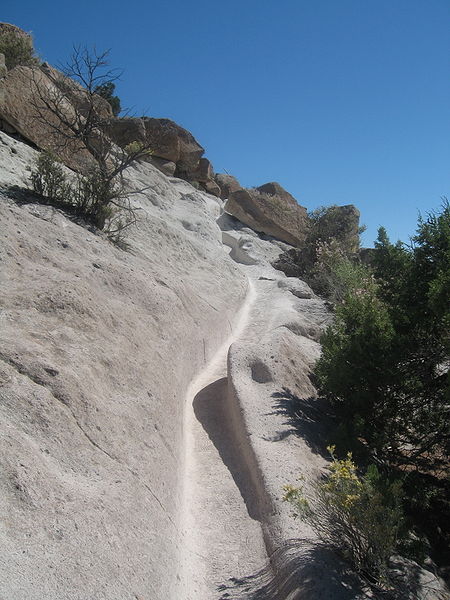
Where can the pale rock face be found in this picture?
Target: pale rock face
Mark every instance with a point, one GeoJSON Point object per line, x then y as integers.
{"type": "Point", "coordinates": [98, 347]}
{"type": "Point", "coordinates": [147, 403]}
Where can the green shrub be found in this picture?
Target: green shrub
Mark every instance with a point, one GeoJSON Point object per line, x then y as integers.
{"type": "Point", "coordinates": [385, 369]}
{"type": "Point", "coordinates": [358, 516]}
{"type": "Point", "coordinates": [333, 273]}
{"type": "Point", "coordinates": [106, 91]}
{"type": "Point", "coordinates": [327, 257]}
{"type": "Point", "coordinates": [93, 196]}
{"type": "Point", "coordinates": [49, 179]}
{"type": "Point", "coordinates": [358, 374]}
{"type": "Point", "coordinates": [96, 197]}
{"type": "Point", "coordinates": [18, 50]}
{"type": "Point", "coordinates": [336, 223]}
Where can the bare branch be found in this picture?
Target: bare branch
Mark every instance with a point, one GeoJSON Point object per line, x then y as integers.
{"type": "Point", "coordinates": [76, 119]}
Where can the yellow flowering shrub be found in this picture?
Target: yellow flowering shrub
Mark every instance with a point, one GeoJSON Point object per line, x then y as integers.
{"type": "Point", "coordinates": [358, 516]}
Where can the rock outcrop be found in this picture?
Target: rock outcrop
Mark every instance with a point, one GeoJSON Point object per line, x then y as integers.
{"type": "Point", "coordinates": [270, 209]}
{"type": "Point", "coordinates": [168, 140]}
{"type": "Point", "coordinates": [204, 175]}
{"type": "Point", "coordinates": [175, 151]}
{"type": "Point", "coordinates": [23, 95]}
{"type": "Point", "coordinates": [204, 171]}
{"type": "Point", "coordinates": [227, 184]}
{"type": "Point", "coordinates": [10, 28]}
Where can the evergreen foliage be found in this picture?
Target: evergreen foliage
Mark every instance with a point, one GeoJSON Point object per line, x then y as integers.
{"type": "Point", "coordinates": [106, 91]}
{"type": "Point", "coordinates": [18, 50]}
{"type": "Point", "coordinates": [384, 358]}
{"type": "Point", "coordinates": [385, 368]}
{"type": "Point", "coordinates": [326, 258]}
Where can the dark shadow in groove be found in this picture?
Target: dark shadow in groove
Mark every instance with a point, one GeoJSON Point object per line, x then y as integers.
{"type": "Point", "coordinates": [212, 411]}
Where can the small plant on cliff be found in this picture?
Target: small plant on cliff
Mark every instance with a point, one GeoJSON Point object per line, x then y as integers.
{"type": "Point", "coordinates": [101, 202]}
{"type": "Point", "coordinates": [327, 258]}
{"type": "Point", "coordinates": [334, 273]}
{"type": "Point", "coordinates": [49, 180]}
{"type": "Point", "coordinates": [106, 91]}
{"type": "Point", "coordinates": [358, 516]}
{"type": "Point", "coordinates": [18, 49]}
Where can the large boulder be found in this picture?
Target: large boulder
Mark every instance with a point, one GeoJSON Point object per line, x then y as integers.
{"type": "Point", "coordinates": [272, 210]}
{"type": "Point", "coordinates": [190, 150]}
{"type": "Point", "coordinates": [204, 171]}
{"type": "Point", "coordinates": [227, 184]}
{"type": "Point", "coordinates": [167, 140]}
{"type": "Point", "coordinates": [211, 187]}
{"type": "Point", "coordinates": [126, 130]}
{"type": "Point", "coordinates": [24, 93]}
{"type": "Point", "coordinates": [165, 166]}
{"type": "Point", "coordinates": [204, 175]}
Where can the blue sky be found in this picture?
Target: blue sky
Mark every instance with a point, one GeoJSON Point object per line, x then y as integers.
{"type": "Point", "coordinates": [341, 101]}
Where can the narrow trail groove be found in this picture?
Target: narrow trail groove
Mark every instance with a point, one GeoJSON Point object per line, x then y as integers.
{"type": "Point", "coordinates": [221, 531]}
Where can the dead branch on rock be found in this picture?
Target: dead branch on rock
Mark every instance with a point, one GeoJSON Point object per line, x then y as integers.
{"type": "Point", "coordinates": [76, 119]}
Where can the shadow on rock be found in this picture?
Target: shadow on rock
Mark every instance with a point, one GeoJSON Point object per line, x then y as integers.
{"type": "Point", "coordinates": [300, 571]}
{"type": "Point", "coordinates": [308, 418]}
{"type": "Point", "coordinates": [297, 571]}
{"type": "Point", "coordinates": [23, 196]}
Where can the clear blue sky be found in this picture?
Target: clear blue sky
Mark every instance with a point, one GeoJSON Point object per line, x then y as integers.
{"type": "Point", "coordinates": [341, 101]}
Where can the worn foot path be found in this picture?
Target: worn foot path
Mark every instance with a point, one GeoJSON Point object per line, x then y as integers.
{"type": "Point", "coordinates": [222, 534]}
{"type": "Point", "coordinates": [222, 526]}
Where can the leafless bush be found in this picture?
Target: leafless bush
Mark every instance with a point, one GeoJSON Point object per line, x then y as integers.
{"type": "Point", "coordinates": [76, 117]}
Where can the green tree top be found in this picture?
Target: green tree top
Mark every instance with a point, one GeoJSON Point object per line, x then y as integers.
{"type": "Point", "coordinates": [106, 91]}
